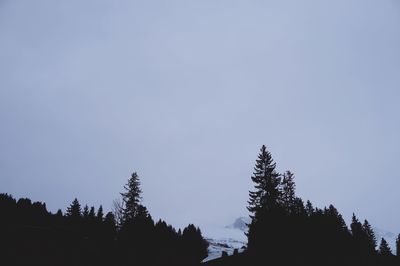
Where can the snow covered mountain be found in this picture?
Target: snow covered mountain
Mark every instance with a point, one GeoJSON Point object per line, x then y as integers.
{"type": "Point", "coordinates": [240, 224]}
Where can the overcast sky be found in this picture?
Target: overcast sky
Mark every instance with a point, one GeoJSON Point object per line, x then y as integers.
{"type": "Point", "coordinates": [186, 92]}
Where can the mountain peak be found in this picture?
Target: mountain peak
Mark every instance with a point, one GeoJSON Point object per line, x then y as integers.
{"type": "Point", "coordinates": [240, 223]}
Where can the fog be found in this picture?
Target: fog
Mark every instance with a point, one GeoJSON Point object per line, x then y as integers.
{"type": "Point", "coordinates": [186, 92]}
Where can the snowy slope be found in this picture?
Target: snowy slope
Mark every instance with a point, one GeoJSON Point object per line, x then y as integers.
{"type": "Point", "coordinates": [226, 238]}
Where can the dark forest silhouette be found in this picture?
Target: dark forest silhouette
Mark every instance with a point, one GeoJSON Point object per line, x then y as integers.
{"type": "Point", "coordinates": [30, 235]}
{"type": "Point", "coordinates": [284, 230]}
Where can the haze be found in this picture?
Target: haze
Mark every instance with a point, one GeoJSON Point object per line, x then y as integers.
{"type": "Point", "coordinates": [186, 92]}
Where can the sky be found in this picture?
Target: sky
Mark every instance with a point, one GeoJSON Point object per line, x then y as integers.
{"type": "Point", "coordinates": [186, 92]}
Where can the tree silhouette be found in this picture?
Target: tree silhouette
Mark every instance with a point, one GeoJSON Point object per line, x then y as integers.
{"type": "Point", "coordinates": [309, 208]}
{"type": "Point", "coordinates": [85, 212]}
{"type": "Point", "coordinates": [265, 207]}
{"type": "Point", "coordinates": [92, 214]}
{"type": "Point", "coordinates": [74, 210]}
{"type": "Point", "coordinates": [100, 213]}
{"type": "Point", "coordinates": [288, 191]}
{"type": "Point", "coordinates": [370, 237]}
{"type": "Point", "coordinates": [384, 248]}
{"type": "Point", "coordinates": [195, 247]}
{"type": "Point", "coordinates": [131, 198]}
{"type": "Point", "coordinates": [266, 180]}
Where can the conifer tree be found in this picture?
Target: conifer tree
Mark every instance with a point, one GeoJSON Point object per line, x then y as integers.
{"type": "Point", "coordinates": [92, 213]}
{"type": "Point", "coordinates": [267, 180]}
{"type": "Point", "coordinates": [370, 237]}
{"type": "Point", "coordinates": [398, 246]}
{"type": "Point", "coordinates": [195, 246]}
{"type": "Point", "coordinates": [356, 228]}
{"type": "Point", "coordinates": [384, 248]}
{"type": "Point", "coordinates": [288, 191]}
{"type": "Point", "coordinates": [74, 210]}
{"type": "Point", "coordinates": [109, 220]}
{"type": "Point", "coordinates": [131, 198]}
{"type": "Point", "coordinates": [309, 208]}
{"type": "Point", "coordinates": [297, 207]}
{"type": "Point", "coordinates": [85, 212]}
{"type": "Point", "coordinates": [100, 213]}
{"type": "Point", "coordinates": [110, 225]}
{"type": "Point", "coordinates": [59, 213]}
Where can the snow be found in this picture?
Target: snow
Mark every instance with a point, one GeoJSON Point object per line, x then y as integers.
{"type": "Point", "coordinates": [226, 238]}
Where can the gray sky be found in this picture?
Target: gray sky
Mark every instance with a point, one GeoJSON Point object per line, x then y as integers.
{"type": "Point", "coordinates": [186, 92]}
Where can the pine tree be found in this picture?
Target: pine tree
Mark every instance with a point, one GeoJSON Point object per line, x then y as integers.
{"type": "Point", "coordinates": [92, 213]}
{"type": "Point", "coordinates": [298, 207]}
{"type": "Point", "coordinates": [357, 234]}
{"type": "Point", "coordinates": [100, 213]}
{"type": "Point", "coordinates": [356, 227]}
{"type": "Point", "coordinates": [131, 198]}
{"type": "Point", "coordinates": [85, 212]}
{"type": "Point", "coordinates": [194, 245]}
{"type": "Point", "coordinates": [370, 237]}
{"type": "Point", "coordinates": [309, 208]}
{"type": "Point", "coordinates": [267, 180]}
{"type": "Point", "coordinates": [109, 220]}
{"type": "Point", "coordinates": [110, 226]}
{"type": "Point", "coordinates": [398, 246]}
{"type": "Point", "coordinates": [288, 191]}
{"type": "Point", "coordinates": [74, 210]}
{"type": "Point", "coordinates": [384, 248]}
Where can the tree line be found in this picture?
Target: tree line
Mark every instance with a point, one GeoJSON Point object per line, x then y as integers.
{"type": "Point", "coordinates": [286, 230]}
{"type": "Point", "coordinates": [31, 235]}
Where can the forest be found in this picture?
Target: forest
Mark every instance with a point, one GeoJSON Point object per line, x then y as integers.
{"type": "Point", "coordinates": [284, 230]}
{"type": "Point", "coordinates": [31, 235]}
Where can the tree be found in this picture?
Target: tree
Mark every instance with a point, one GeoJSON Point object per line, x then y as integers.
{"type": "Point", "coordinates": [74, 210]}
{"type": "Point", "coordinates": [131, 198]}
{"type": "Point", "coordinates": [370, 237]}
{"type": "Point", "coordinates": [398, 246]}
{"type": "Point", "coordinates": [109, 220]}
{"type": "Point", "coordinates": [309, 208]}
{"type": "Point", "coordinates": [100, 213]}
{"type": "Point", "coordinates": [267, 180]}
{"type": "Point", "coordinates": [356, 227]}
{"type": "Point", "coordinates": [85, 212]}
{"type": "Point", "coordinates": [288, 191]}
{"type": "Point", "coordinates": [384, 248]}
{"type": "Point", "coordinates": [194, 245]}
{"type": "Point", "coordinates": [265, 207]}
{"type": "Point", "coordinates": [92, 214]}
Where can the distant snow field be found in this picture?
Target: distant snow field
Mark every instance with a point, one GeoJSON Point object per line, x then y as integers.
{"type": "Point", "coordinates": [226, 238]}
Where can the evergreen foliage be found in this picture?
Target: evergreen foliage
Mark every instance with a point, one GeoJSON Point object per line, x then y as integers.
{"type": "Point", "coordinates": [100, 213]}
{"type": "Point", "coordinates": [74, 210]}
{"type": "Point", "coordinates": [30, 235]}
{"type": "Point", "coordinates": [285, 231]}
{"type": "Point", "coordinates": [266, 180]}
{"type": "Point", "coordinates": [288, 192]}
{"type": "Point", "coordinates": [131, 198]}
{"type": "Point", "coordinates": [370, 239]}
{"type": "Point", "coordinates": [384, 248]}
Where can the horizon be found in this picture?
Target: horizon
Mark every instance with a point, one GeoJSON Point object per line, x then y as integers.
{"type": "Point", "coordinates": [185, 94]}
